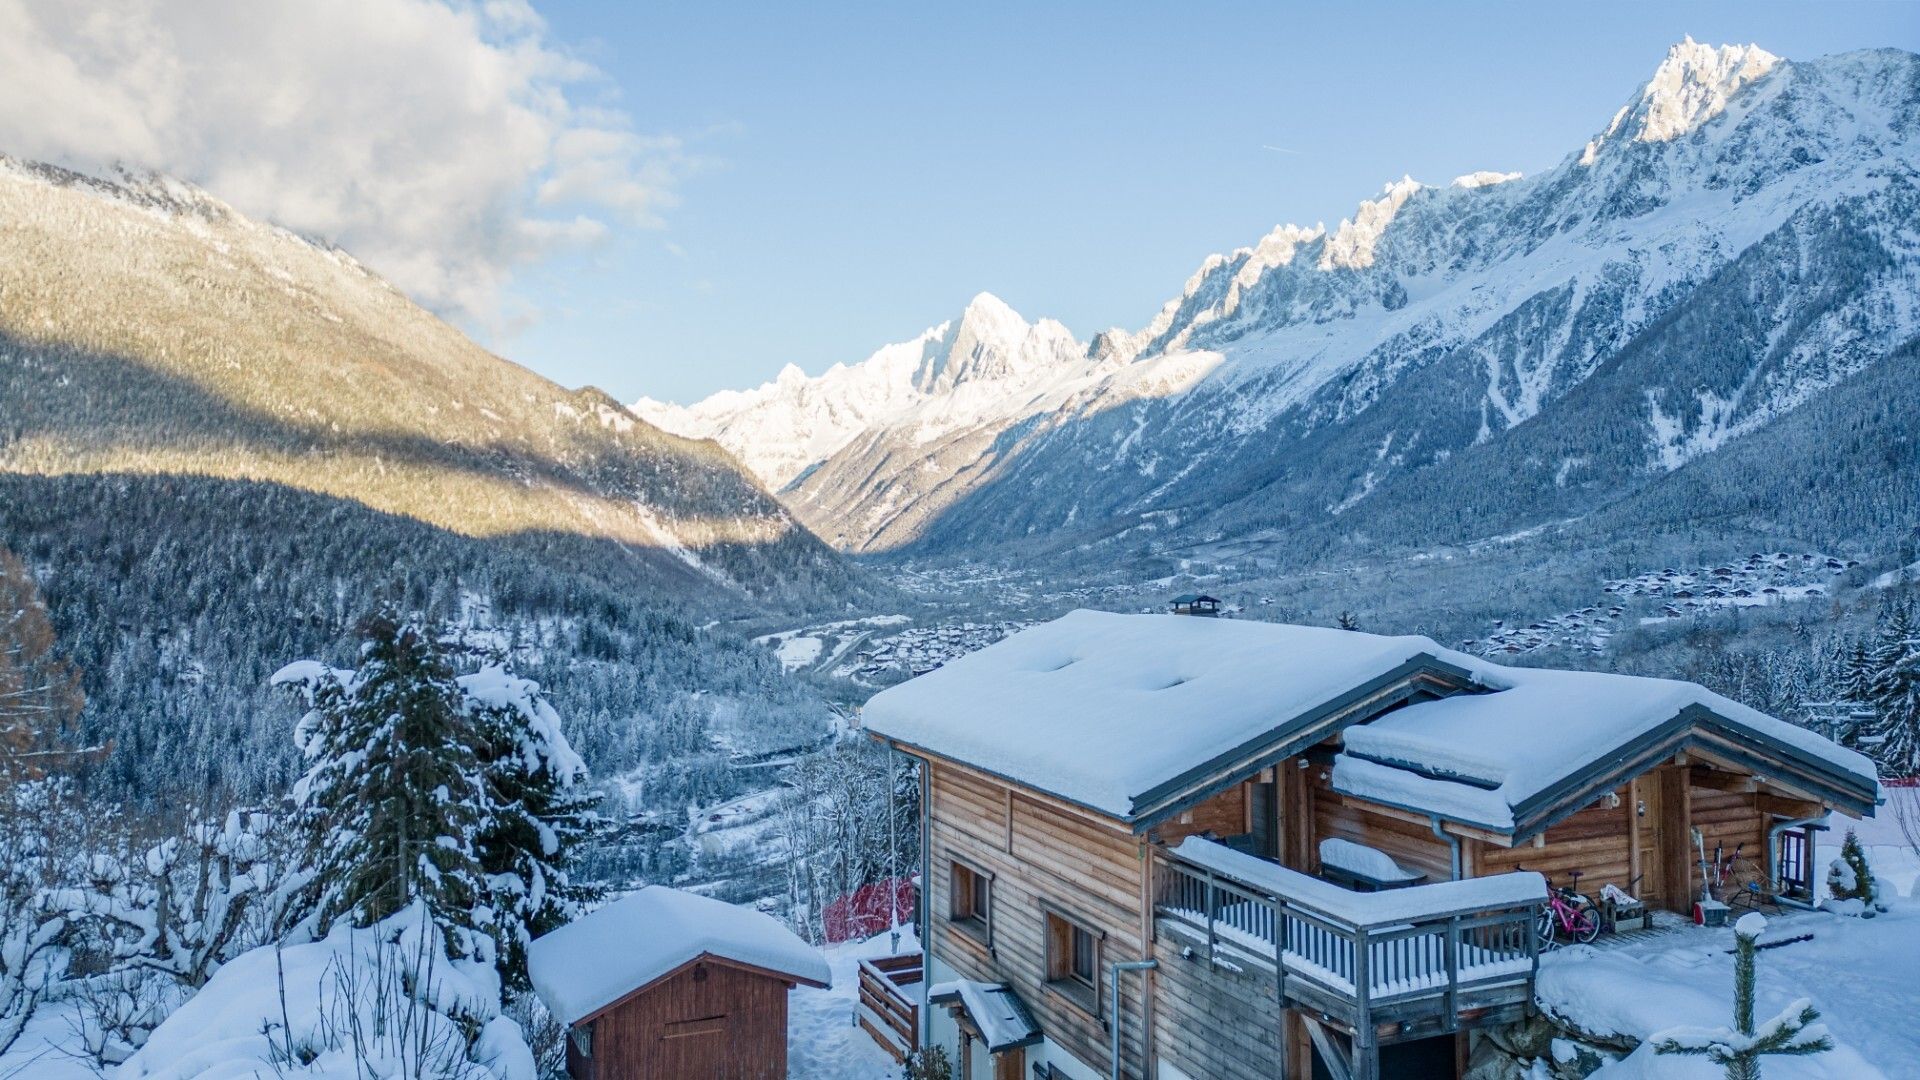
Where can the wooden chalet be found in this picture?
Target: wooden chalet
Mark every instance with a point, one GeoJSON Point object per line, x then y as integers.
{"type": "Point", "coordinates": [1195, 604]}
{"type": "Point", "coordinates": [665, 985]}
{"type": "Point", "coordinates": [1200, 849]}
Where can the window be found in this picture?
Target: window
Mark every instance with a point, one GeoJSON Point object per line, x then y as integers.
{"type": "Point", "coordinates": [970, 901]}
{"type": "Point", "coordinates": [1073, 961]}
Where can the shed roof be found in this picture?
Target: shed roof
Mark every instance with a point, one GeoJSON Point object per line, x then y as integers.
{"type": "Point", "coordinates": [1110, 710]}
{"type": "Point", "coordinates": [626, 946]}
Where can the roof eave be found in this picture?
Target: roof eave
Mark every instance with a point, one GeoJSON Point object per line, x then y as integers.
{"type": "Point", "coordinates": [1288, 738]}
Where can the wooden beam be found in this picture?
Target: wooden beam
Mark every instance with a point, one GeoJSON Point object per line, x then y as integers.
{"type": "Point", "coordinates": [1769, 803]}
{"type": "Point", "coordinates": [1676, 840]}
{"type": "Point", "coordinates": [1339, 1065]}
{"type": "Point", "coordinates": [1635, 874]}
{"type": "Point", "coordinates": [1423, 820]}
{"type": "Point", "coordinates": [1701, 776]}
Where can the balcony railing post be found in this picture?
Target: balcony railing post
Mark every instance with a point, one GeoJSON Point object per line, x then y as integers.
{"type": "Point", "coordinates": [1362, 990]}
{"type": "Point", "coordinates": [1213, 905]}
{"type": "Point", "coordinates": [1453, 968]}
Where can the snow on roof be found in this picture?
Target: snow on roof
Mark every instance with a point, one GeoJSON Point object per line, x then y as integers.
{"type": "Point", "coordinates": [607, 954]}
{"type": "Point", "coordinates": [997, 1011]}
{"type": "Point", "coordinates": [1360, 909]}
{"type": "Point", "coordinates": [1100, 708]}
{"type": "Point", "coordinates": [1480, 756]}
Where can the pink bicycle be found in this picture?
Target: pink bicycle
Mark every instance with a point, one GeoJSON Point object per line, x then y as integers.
{"type": "Point", "coordinates": [1567, 912]}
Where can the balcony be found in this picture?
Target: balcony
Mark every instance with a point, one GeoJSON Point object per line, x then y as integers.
{"type": "Point", "coordinates": [1377, 967]}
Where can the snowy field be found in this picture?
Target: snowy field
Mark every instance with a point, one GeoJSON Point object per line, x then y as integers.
{"type": "Point", "coordinates": [1859, 973]}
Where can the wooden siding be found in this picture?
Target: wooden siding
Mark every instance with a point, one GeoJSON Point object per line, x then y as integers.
{"type": "Point", "coordinates": [1411, 844]}
{"type": "Point", "coordinates": [710, 1019]}
{"type": "Point", "coordinates": [1594, 841]}
{"type": "Point", "coordinates": [1223, 815]}
{"type": "Point", "coordinates": [1219, 1023]}
{"type": "Point", "coordinates": [1042, 855]}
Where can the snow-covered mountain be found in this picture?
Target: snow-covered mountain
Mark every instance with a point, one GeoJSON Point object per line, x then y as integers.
{"type": "Point", "coordinates": [962, 373]}
{"type": "Point", "coordinates": [1736, 242]}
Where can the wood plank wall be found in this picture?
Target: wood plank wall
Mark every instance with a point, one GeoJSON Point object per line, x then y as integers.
{"type": "Point", "coordinates": [1223, 815]}
{"type": "Point", "coordinates": [1411, 844]}
{"type": "Point", "coordinates": [1594, 841]}
{"type": "Point", "coordinates": [711, 1019]}
{"type": "Point", "coordinates": [1041, 854]}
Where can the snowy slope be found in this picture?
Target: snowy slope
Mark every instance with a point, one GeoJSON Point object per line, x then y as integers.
{"type": "Point", "coordinates": [1736, 240]}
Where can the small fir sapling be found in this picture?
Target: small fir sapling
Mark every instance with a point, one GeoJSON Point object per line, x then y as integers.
{"type": "Point", "coordinates": [1796, 1032]}
{"type": "Point", "coordinates": [1850, 877]}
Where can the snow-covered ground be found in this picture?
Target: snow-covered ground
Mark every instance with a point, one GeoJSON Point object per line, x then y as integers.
{"type": "Point", "coordinates": [823, 1042]}
{"type": "Point", "coordinates": [1859, 973]}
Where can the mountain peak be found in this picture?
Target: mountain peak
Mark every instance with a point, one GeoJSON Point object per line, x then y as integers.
{"type": "Point", "coordinates": [1351, 245]}
{"type": "Point", "coordinates": [1693, 83]}
{"type": "Point", "coordinates": [1690, 87]}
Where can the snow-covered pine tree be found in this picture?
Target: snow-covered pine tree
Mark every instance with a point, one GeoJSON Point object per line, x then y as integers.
{"type": "Point", "coordinates": [392, 803]}
{"type": "Point", "coordinates": [1795, 1032]}
{"type": "Point", "coordinates": [1849, 877]}
{"type": "Point", "coordinates": [539, 813]}
{"type": "Point", "coordinates": [1891, 685]}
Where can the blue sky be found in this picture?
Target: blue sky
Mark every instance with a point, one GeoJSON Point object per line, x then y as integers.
{"type": "Point", "coordinates": [859, 172]}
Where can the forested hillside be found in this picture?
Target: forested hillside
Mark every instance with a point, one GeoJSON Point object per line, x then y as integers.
{"type": "Point", "coordinates": [222, 443]}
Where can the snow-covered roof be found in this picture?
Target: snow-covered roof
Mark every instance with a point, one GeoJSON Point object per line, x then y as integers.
{"type": "Point", "coordinates": [612, 951]}
{"type": "Point", "coordinates": [1101, 709]}
{"type": "Point", "coordinates": [1485, 759]}
{"type": "Point", "coordinates": [997, 1011]}
{"type": "Point", "coordinates": [1111, 711]}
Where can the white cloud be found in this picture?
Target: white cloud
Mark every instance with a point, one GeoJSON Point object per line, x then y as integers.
{"type": "Point", "coordinates": [443, 143]}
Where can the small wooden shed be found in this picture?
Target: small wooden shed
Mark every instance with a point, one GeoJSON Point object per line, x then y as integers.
{"type": "Point", "coordinates": [1196, 604]}
{"type": "Point", "coordinates": [665, 984]}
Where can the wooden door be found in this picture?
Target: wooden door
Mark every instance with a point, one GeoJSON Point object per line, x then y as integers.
{"type": "Point", "coordinates": [1652, 887]}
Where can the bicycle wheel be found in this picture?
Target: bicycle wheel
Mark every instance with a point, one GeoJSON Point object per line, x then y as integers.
{"type": "Point", "coordinates": [1543, 927]}
{"type": "Point", "coordinates": [1586, 923]}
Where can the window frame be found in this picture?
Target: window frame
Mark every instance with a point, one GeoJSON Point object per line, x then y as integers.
{"type": "Point", "coordinates": [971, 922]}
{"type": "Point", "coordinates": [1061, 978]}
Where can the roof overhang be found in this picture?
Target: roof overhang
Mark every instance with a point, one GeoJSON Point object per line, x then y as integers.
{"type": "Point", "coordinates": [1420, 675]}
{"type": "Point", "coordinates": [1025, 1029]}
{"type": "Point", "coordinates": [714, 959]}
{"type": "Point", "coordinates": [1693, 728]}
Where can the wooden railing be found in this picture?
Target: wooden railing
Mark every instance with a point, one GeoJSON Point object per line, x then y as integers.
{"type": "Point", "coordinates": [1329, 959]}
{"type": "Point", "coordinates": [889, 1006]}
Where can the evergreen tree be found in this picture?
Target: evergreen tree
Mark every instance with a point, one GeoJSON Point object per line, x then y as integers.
{"type": "Point", "coordinates": [1796, 1032]}
{"type": "Point", "coordinates": [40, 694]}
{"type": "Point", "coordinates": [1891, 686]}
{"type": "Point", "coordinates": [1849, 877]}
{"type": "Point", "coordinates": [539, 813]}
{"type": "Point", "coordinates": [392, 804]}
